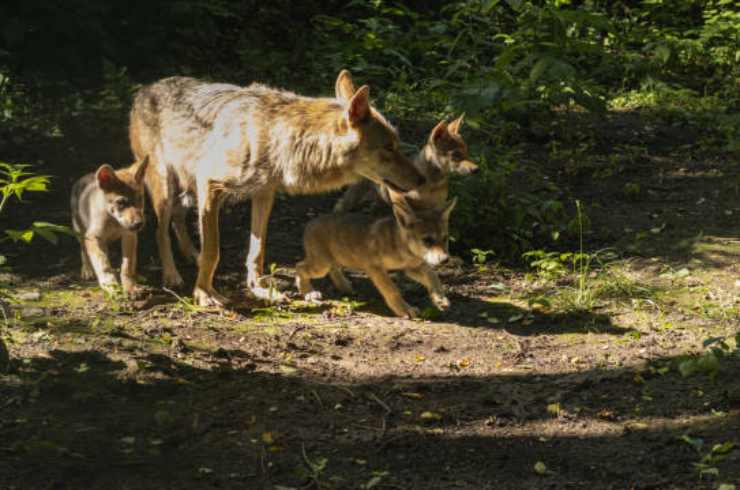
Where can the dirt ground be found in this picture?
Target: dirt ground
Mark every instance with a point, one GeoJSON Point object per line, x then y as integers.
{"type": "Point", "coordinates": [498, 393]}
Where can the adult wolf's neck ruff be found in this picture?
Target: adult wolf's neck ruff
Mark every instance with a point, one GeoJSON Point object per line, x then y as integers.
{"type": "Point", "coordinates": [309, 143]}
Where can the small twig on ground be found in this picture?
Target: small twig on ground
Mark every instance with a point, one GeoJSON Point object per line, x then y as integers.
{"type": "Point", "coordinates": [380, 402]}
{"type": "Point", "coordinates": [296, 330]}
{"type": "Point", "coordinates": [346, 390]}
{"type": "Point", "coordinates": [318, 398]}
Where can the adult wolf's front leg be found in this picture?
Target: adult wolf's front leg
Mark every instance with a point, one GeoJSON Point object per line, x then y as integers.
{"type": "Point", "coordinates": [261, 209]}
{"type": "Point", "coordinates": [209, 203]}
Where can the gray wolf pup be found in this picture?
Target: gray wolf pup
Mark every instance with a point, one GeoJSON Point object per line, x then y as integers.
{"type": "Point", "coordinates": [108, 205]}
{"type": "Point", "coordinates": [444, 153]}
{"type": "Point", "coordinates": [223, 141]}
{"type": "Point", "coordinates": [411, 240]}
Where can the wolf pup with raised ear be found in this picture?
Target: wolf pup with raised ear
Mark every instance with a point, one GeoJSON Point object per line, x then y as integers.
{"type": "Point", "coordinates": [444, 153]}
{"type": "Point", "coordinates": [108, 205]}
{"type": "Point", "coordinates": [411, 240]}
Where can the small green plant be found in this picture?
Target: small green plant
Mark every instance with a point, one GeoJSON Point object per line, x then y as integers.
{"type": "Point", "coordinates": [480, 258]}
{"type": "Point", "coordinates": [15, 181]}
{"type": "Point", "coordinates": [313, 471]}
{"type": "Point", "coordinates": [708, 363]}
{"type": "Point", "coordinates": [186, 305]}
{"type": "Point", "coordinates": [708, 460]}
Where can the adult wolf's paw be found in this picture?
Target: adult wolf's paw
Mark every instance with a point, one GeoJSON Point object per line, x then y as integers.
{"type": "Point", "coordinates": [209, 299]}
{"type": "Point", "coordinates": [86, 273]}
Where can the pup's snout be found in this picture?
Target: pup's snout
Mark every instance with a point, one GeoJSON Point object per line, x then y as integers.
{"type": "Point", "coordinates": [443, 258]}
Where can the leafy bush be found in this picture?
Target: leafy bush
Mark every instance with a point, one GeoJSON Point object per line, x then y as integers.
{"type": "Point", "coordinates": [15, 181]}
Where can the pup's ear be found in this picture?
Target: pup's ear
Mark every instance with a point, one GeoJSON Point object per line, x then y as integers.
{"type": "Point", "coordinates": [439, 133]}
{"type": "Point", "coordinates": [457, 124]}
{"type": "Point", "coordinates": [106, 177]}
{"type": "Point", "coordinates": [344, 87]}
{"type": "Point", "coordinates": [401, 209]}
{"type": "Point", "coordinates": [448, 209]}
{"type": "Point", "coordinates": [359, 106]}
{"type": "Point", "coordinates": [141, 170]}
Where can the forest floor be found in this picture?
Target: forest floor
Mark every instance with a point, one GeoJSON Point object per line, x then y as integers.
{"type": "Point", "coordinates": [521, 384]}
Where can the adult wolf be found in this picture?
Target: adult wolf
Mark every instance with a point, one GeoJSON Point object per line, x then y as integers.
{"type": "Point", "coordinates": [220, 140]}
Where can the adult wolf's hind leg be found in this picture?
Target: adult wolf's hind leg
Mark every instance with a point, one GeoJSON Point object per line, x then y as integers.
{"type": "Point", "coordinates": [209, 203]}
{"type": "Point", "coordinates": [160, 193]}
{"type": "Point", "coordinates": [184, 241]}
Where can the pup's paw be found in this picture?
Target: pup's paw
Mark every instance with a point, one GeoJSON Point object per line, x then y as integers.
{"type": "Point", "coordinates": [441, 302]}
{"type": "Point", "coordinates": [269, 295]}
{"type": "Point", "coordinates": [411, 312]}
{"type": "Point", "coordinates": [313, 297]}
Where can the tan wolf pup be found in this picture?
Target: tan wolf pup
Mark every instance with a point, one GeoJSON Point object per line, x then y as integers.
{"type": "Point", "coordinates": [108, 205]}
{"type": "Point", "coordinates": [223, 141]}
{"type": "Point", "coordinates": [410, 240]}
{"type": "Point", "coordinates": [444, 153]}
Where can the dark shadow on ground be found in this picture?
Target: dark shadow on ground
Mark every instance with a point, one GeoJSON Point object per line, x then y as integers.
{"type": "Point", "coordinates": [83, 419]}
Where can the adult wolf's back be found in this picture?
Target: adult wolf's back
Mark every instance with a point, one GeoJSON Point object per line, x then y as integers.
{"type": "Point", "coordinates": [218, 140]}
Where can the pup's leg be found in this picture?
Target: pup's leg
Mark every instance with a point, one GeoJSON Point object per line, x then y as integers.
{"type": "Point", "coordinates": [261, 209]}
{"type": "Point", "coordinates": [307, 269]}
{"type": "Point", "coordinates": [391, 294]}
{"type": "Point", "coordinates": [340, 281]}
{"type": "Point", "coordinates": [209, 204]}
{"type": "Point", "coordinates": [129, 242]}
{"type": "Point", "coordinates": [86, 272]}
{"type": "Point", "coordinates": [425, 276]}
{"type": "Point", "coordinates": [160, 193]}
{"type": "Point", "coordinates": [97, 251]}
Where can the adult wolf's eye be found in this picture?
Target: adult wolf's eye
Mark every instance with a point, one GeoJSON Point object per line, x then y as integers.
{"type": "Point", "coordinates": [122, 203]}
{"type": "Point", "coordinates": [428, 241]}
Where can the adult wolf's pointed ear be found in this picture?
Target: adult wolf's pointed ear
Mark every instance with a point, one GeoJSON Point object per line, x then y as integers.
{"type": "Point", "coordinates": [440, 132]}
{"type": "Point", "coordinates": [106, 177]}
{"type": "Point", "coordinates": [359, 106]}
{"type": "Point", "coordinates": [457, 124]}
{"type": "Point", "coordinates": [344, 87]}
{"type": "Point", "coordinates": [141, 170]}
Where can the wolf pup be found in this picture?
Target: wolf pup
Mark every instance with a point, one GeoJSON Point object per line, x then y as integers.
{"type": "Point", "coordinates": [107, 205]}
{"type": "Point", "coordinates": [222, 141]}
{"type": "Point", "coordinates": [444, 153]}
{"type": "Point", "coordinates": [411, 240]}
